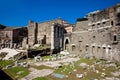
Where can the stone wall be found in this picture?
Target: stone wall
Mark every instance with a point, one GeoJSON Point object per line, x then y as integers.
{"type": "Point", "coordinates": [32, 31]}
{"type": "Point", "coordinates": [81, 24]}
{"type": "Point", "coordinates": [50, 33]}
{"type": "Point", "coordinates": [5, 38]}
{"type": "Point", "coordinates": [98, 35]}
{"type": "Point", "coordinates": [12, 37]}
{"type": "Point", "coordinates": [44, 33]}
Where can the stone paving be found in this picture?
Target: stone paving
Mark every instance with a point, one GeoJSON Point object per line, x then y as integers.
{"type": "Point", "coordinates": [37, 73]}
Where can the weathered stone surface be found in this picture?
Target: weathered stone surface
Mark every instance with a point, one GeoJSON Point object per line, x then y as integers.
{"type": "Point", "coordinates": [116, 74]}
{"type": "Point", "coordinates": [83, 65]}
{"type": "Point", "coordinates": [79, 75]}
{"type": "Point", "coordinates": [50, 33]}
{"type": "Point", "coordinates": [37, 73]}
{"type": "Point", "coordinates": [97, 35]}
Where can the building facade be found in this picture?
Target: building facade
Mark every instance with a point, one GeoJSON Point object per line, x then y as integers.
{"type": "Point", "coordinates": [49, 33]}
{"type": "Point", "coordinates": [97, 35]}
{"type": "Point", "coordinates": [12, 37]}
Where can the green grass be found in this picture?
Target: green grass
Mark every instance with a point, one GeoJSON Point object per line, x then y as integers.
{"type": "Point", "coordinates": [13, 72]}
{"type": "Point", "coordinates": [40, 47]}
{"type": "Point", "coordinates": [40, 78]}
{"type": "Point", "coordinates": [109, 70]}
{"type": "Point", "coordinates": [69, 68]}
{"type": "Point", "coordinates": [5, 63]}
{"type": "Point", "coordinates": [64, 70]}
{"type": "Point", "coordinates": [47, 57]}
{"type": "Point", "coordinates": [81, 70]}
{"type": "Point", "coordinates": [40, 67]}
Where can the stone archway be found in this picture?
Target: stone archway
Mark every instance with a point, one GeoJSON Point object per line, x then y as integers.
{"type": "Point", "coordinates": [66, 43]}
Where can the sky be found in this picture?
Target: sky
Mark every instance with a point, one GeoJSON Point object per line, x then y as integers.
{"type": "Point", "coordinates": [19, 12]}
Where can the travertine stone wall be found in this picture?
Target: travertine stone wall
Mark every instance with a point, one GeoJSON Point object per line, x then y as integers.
{"type": "Point", "coordinates": [49, 33]}
{"type": "Point", "coordinates": [98, 35]}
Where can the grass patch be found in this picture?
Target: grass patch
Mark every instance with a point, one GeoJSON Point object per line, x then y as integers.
{"type": "Point", "coordinates": [40, 78]}
{"type": "Point", "coordinates": [40, 67]}
{"type": "Point", "coordinates": [17, 72]}
{"type": "Point", "coordinates": [109, 70]}
{"type": "Point", "coordinates": [66, 69]}
{"type": "Point", "coordinates": [88, 61]}
{"type": "Point", "coordinates": [47, 57]}
{"type": "Point", "coordinates": [5, 63]}
{"type": "Point", "coordinates": [81, 70]}
{"type": "Point", "coordinates": [39, 48]}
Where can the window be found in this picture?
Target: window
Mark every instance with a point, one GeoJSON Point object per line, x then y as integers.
{"type": "Point", "coordinates": [98, 46]}
{"type": "Point", "coordinates": [112, 23]}
{"type": "Point", "coordinates": [98, 24]}
{"type": "Point", "coordinates": [104, 47]}
{"type": "Point", "coordinates": [118, 18]}
{"type": "Point", "coordinates": [6, 35]}
{"type": "Point", "coordinates": [93, 36]}
{"type": "Point", "coordinates": [118, 15]}
{"type": "Point", "coordinates": [104, 22]}
{"type": "Point", "coordinates": [86, 47]}
{"type": "Point", "coordinates": [93, 25]}
{"type": "Point", "coordinates": [115, 38]}
{"type": "Point", "coordinates": [73, 48]}
{"type": "Point", "coordinates": [106, 28]}
{"type": "Point", "coordinates": [109, 48]}
{"type": "Point", "coordinates": [80, 50]}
